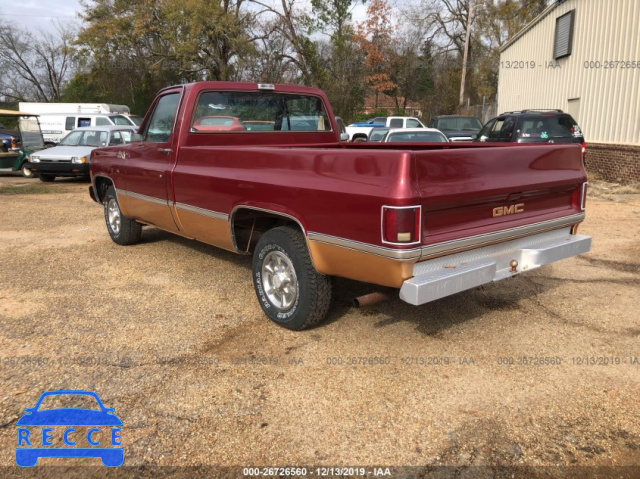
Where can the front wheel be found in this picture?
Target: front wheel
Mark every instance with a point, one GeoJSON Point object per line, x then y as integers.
{"type": "Point", "coordinates": [46, 178]}
{"type": "Point", "coordinates": [123, 231]}
{"type": "Point", "coordinates": [290, 290]}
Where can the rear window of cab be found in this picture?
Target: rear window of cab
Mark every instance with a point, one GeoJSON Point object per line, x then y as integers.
{"type": "Point", "coordinates": [242, 112]}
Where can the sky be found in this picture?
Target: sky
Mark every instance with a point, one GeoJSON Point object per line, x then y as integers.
{"type": "Point", "coordinates": [38, 15]}
{"type": "Point", "coordinates": [42, 15]}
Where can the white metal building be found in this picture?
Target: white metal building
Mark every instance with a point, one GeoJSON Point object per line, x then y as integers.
{"type": "Point", "coordinates": [582, 56]}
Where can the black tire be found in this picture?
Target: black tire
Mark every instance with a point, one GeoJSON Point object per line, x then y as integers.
{"type": "Point", "coordinates": [46, 178]}
{"type": "Point", "coordinates": [123, 231]}
{"type": "Point", "coordinates": [301, 306]}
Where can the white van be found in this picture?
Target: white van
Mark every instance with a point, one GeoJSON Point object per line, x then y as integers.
{"type": "Point", "coordinates": [55, 126]}
{"type": "Point", "coordinates": [40, 108]}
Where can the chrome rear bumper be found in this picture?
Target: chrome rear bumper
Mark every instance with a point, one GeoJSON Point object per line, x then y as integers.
{"type": "Point", "coordinates": [440, 277]}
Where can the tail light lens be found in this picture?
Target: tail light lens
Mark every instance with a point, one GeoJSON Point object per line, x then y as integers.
{"type": "Point", "coordinates": [401, 225]}
{"type": "Point", "coordinates": [579, 197]}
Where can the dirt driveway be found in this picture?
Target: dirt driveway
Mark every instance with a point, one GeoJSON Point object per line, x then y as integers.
{"type": "Point", "coordinates": [541, 370]}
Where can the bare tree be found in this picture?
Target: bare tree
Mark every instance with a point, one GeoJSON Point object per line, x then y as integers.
{"type": "Point", "coordinates": [35, 67]}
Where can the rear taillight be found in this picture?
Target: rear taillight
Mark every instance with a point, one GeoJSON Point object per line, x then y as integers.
{"type": "Point", "coordinates": [584, 151]}
{"type": "Point", "coordinates": [583, 196]}
{"type": "Point", "coordinates": [401, 224]}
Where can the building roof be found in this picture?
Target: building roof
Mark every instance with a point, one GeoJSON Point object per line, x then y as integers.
{"type": "Point", "coordinates": [555, 4]}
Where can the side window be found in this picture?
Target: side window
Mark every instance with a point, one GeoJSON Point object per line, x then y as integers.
{"type": "Point", "coordinates": [495, 130]}
{"type": "Point", "coordinates": [116, 139]}
{"type": "Point", "coordinates": [102, 121]}
{"type": "Point", "coordinates": [84, 122]}
{"type": "Point", "coordinates": [126, 136]}
{"type": "Point", "coordinates": [506, 132]}
{"type": "Point", "coordinates": [70, 123]}
{"type": "Point", "coordinates": [395, 123]}
{"type": "Point", "coordinates": [158, 130]}
{"type": "Point", "coordinates": [411, 123]}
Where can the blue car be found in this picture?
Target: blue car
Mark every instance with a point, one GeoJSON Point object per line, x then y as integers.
{"type": "Point", "coordinates": [69, 417]}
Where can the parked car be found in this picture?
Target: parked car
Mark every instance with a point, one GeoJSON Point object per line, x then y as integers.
{"type": "Point", "coordinates": [219, 123]}
{"type": "Point", "coordinates": [457, 127]}
{"type": "Point", "coordinates": [71, 156]}
{"type": "Point", "coordinates": [415, 135]}
{"type": "Point", "coordinates": [533, 126]}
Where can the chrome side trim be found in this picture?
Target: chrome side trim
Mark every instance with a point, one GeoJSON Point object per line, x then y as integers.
{"type": "Point", "coordinates": [448, 246]}
{"type": "Point", "coordinates": [150, 199]}
{"type": "Point", "coordinates": [202, 212]}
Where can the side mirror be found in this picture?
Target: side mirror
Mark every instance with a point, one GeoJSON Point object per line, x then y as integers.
{"type": "Point", "coordinates": [344, 136]}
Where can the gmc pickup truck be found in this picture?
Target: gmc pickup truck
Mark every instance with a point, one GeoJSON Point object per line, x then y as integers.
{"type": "Point", "coordinates": [259, 169]}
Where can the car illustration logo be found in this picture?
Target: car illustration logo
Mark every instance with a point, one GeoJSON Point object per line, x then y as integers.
{"type": "Point", "coordinates": [84, 432]}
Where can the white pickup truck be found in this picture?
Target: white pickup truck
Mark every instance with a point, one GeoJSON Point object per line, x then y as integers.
{"type": "Point", "coordinates": [360, 131]}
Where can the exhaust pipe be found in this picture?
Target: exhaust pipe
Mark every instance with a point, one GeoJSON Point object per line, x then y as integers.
{"type": "Point", "coordinates": [370, 299]}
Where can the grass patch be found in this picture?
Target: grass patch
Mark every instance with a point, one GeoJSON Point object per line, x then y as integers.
{"type": "Point", "coordinates": [31, 190]}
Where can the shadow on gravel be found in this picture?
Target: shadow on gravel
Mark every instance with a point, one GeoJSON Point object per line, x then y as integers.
{"type": "Point", "coordinates": [433, 319]}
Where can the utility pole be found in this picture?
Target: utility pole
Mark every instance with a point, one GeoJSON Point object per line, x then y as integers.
{"type": "Point", "coordinates": [465, 56]}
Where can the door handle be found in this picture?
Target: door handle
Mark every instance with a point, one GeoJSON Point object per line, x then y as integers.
{"type": "Point", "coordinates": [166, 151]}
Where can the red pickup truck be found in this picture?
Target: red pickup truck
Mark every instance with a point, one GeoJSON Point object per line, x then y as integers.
{"type": "Point", "coordinates": [260, 169]}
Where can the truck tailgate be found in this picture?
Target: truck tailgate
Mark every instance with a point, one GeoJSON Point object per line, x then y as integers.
{"type": "Point", "coordinates": [478, 196]}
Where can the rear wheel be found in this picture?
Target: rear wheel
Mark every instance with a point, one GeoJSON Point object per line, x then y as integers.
{"type": "Point", "coordinates": [46, 178]}
{"type": "Point", "coordinates": [26, 172]}
{"type": "Point", "coordinates": [290, 290]}
{"type": "Point", "coordinates": [122, 230]}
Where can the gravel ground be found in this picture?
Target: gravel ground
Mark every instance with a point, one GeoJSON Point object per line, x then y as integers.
{"type": "Point", "coordinates": [536, 372]}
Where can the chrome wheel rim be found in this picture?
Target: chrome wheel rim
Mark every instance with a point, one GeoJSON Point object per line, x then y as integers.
{"type": "Point", "coordinates": [279, 280]}
{"type": "Point", "coordinates": [113, 215]}
{"type": "Point", "coordinates": [26, 172]}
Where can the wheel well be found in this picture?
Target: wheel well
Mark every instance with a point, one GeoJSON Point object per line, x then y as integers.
{"type": "Point", "coordinates": [359, 136]}
{"type": "Point", "coordinates": [249, 225]}
{"type": "Point", "coordinates": [102, 185]}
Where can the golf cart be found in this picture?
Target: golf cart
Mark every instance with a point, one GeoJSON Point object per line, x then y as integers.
{"type": "Point", "coordinates": [30, 140]}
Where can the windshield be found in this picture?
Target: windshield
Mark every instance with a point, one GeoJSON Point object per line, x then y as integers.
{"type": "Point", "coordinates": [121, 120]}
{"type": "Point", "coordinates": [30, 133]}
{"type": "Point", "coordinates": [418, 137]}
{"type": "Point", "coordinates": [90, 138]}
{"type": "Point", "coordinates": [377, 134]}
{"type": "Point", "coordinates": [72, 139]}
{"type": "Point", "coordinates": [469, 123]}
{"type": "Point", "coordinates": [137, 120]}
